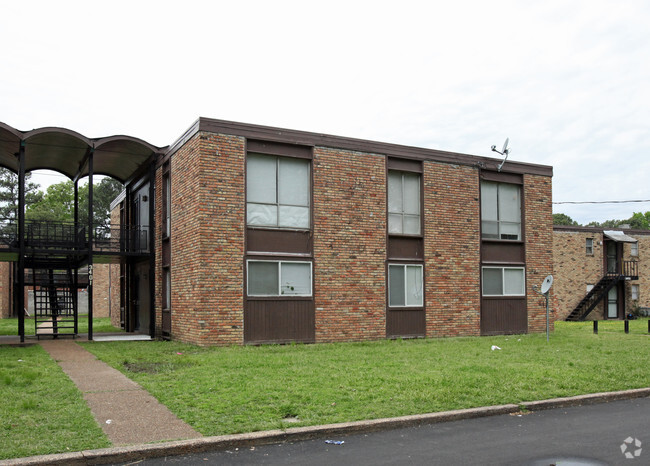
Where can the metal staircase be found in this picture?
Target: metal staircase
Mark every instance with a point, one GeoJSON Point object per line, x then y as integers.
{"type": "Point", "coordinates": [55, 302]}
{"type": "Point", "coordinates": [595, 296]}
{"type": "Point", "coordinates": [600, 290]}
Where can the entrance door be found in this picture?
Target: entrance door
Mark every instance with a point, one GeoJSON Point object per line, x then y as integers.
{"type": "Point", "coordinates": [612, 303]}
{"type": "Point", "coordinates": [612, 257]}
{"type": "Point", "coordinates": [141, 298]}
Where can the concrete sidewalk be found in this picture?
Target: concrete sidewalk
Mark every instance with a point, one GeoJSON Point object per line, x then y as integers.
{"type": "Point", "coordinates": [126, 412]}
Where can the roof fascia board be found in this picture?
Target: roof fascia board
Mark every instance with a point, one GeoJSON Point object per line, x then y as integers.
{"type": "Point", "coordinates": [186, 136]}
{"type": "Point", "coordinates": [361, 145]}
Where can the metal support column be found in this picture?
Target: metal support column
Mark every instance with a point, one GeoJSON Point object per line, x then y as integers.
{"type": "Point", "coordinates": [20, 302]}
{"type": "Point", "coordinates": [90, 245]}
{"type": "Point", "coordinates": [152, 249]}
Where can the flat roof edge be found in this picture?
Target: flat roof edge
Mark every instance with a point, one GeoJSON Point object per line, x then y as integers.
{"type": "Point", "coordinates": [581, 229]}
{"type": "Point", "coordinates": [291, 136]}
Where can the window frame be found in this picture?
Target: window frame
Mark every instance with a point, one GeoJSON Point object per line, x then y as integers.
{"type": "Point", "coordinates": [402, 213]}
{"type": "Point", "coordinates": [634, 249]}
{"type": "Point", "coordinates": [280, 295]}
{"type": "Point", "coordinates": [499, 222]}
{"type": "Point", "coordinates": [166, 203]}
{"type": "Point", "coordinates": [277, 204]}
{"type": "Point", "coordinates": [634, 292]}
{"type": "Point", "coordinates": [422, 288]}
{"type": "Point", "coordinates": [503, 294]}
{"type": "Point", "coordinates": [589, 248]}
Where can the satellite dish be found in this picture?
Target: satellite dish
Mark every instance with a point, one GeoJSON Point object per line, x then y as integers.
{"type": "Point", "coordinates": [546, 284]}
{"type": "Point", "coordinates": [505, 151]}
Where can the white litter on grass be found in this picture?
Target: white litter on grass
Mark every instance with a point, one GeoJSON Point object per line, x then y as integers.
{"type": "Point", "coordinates": [495, 347]}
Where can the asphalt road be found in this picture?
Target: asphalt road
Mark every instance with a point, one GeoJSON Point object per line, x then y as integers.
{"type": "Point", "coordinates": [585, 435]}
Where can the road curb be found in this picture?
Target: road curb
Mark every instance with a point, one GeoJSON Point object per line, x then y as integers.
{"type": "Point", "coordinates": [295, 434]}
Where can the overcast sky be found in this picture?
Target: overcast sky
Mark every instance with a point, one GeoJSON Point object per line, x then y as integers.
{"type": "Point", "coordinates": [566, 81]}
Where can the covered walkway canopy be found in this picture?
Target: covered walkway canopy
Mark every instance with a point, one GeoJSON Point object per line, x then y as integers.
{"type": "Point", "coordinates": [68, 152]}
{"type": "Point", "coordinates": [46, 249]}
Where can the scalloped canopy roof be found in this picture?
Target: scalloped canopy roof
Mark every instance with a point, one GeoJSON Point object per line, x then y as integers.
{"type": "Point", "coordinates": [66, 152]}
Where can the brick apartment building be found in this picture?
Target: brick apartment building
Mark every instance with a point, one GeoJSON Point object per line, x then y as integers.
{"type": "Point", "coordinates": [245, 234]}
{"type": "Point", "coordinates": [600, 274]}
{"type": "Point", "coordinates": [272, 235]}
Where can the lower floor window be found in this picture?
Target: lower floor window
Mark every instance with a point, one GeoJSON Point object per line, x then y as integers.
{"type": "Point", "coordinates": [504, 281]}
{"type": "Point", "coordinates": [279, 278]}
{"type": "Point", "coordinates": [405, 287]}
{"type": "Point", "coordinates": [634, 292]}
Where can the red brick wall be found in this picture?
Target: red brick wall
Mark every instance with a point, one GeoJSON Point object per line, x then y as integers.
{"type": "Point", "coordinates": [574, 269]}
{"type": "Point", "coordinates": [6, 290]}
{"type": "Point", "coordinates": [101, 284]}
{"type": "Point", "coordinates": [539, 247]}
{"type": "Point", "coordinates": [349, 245]}
{"type": "Point", "coordinates": [349, 214]}
{"type": "Point", "coordinates": [452, 249]}
{"type": "Point", "coordinates": [115, 276]}
{"type": "Point", "coordinates": [208, 217]}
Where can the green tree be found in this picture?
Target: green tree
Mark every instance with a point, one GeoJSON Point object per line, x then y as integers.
{"type": "Point", "coordinates": [640, 221]}
{"type": "Point", "coordinates": [563, 219]}
{"type": "Point", "coordinates": [9, 194]}
{"type": "Point", "coordinates": [57, 204]}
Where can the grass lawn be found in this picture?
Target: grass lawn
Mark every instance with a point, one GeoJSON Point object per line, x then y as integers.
{"type": "Point", "coordinates": [41, 410]}
{"type": "Point", "coordinates": [242, 389]}
{"type": "Point", "coordinates": [100, 325]}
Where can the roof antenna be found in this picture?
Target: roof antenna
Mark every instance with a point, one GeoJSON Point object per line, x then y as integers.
{"type": "Point", "coordinates": [505, 151]}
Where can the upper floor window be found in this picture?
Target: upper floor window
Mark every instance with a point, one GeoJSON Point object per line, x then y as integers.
{"type": "Point", "coordinates": [403, 203]}
{"type": "Point", "coordinates": [634, 249]}
{"type": "Point", "coordinates": [589, 246]}
{"type": "Point", "coordinates": [278, 191]}
{"type": "Point", "coordinates": [500, 210]}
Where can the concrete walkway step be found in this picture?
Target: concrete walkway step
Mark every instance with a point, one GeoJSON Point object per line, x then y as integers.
{"type": "Point", "coordinates": [126, 412]}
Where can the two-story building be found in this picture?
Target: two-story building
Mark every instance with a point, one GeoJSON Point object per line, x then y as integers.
{"type": "Point", "coordinates": [600, 273]}
{"type": "Point", "coordinates": [246, 234]}
{"type": "Point", "coordinates": [273, 235]}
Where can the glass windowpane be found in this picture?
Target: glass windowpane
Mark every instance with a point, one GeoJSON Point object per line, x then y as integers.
{"type": "Point", "coordinates": [396, 292]}
{"type": "Point", "coordinates": [411, 190]}
{"type": "Point", "coordinates": [492, 281]}
{"type": "Point", "coordinates": [514, 282]}
{"type": "Point", "coordinates": [293, 183]}
{"type": "Point", "coordinates": [489, 201]}
{"type": "Point", "coordinates": [411, 224]}
{"type": "Point", "coordinates": [262, 278]}
{"type": "Point", "coordinates": [295, 279]}
{"type": "Point", "coordinates": [509, 204]}
{"type": "Point", "coordinates": [490, 229]}
{"type": "Point", "coordinates": [261, 179]}
{"type": "Point", "coordinates": [395, 192]}
{"type": "Point", "coordinates": [294, 217]}
{"type": "Point", "coordinates": [394, 223]}
{"type": "Point", "coordinates": [260, 214]}
{"type": "Point", "coordinates": [414, 285]}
